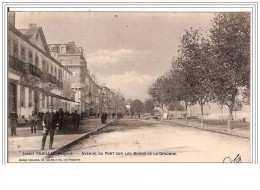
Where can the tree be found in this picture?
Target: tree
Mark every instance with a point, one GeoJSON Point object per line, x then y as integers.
{"type": "Point", "coordinates": [137, 106]}
{"type": "Point", "coordinates": [230, 36]}
{"type": "Point", "coordinates": [149, 106]}
{"type": "Point", "coordinates": [175, 106]}
{"type": "Point", "coordinates": [195, 51]}
{"type": "Point", "coordinates": [157, 91]}
{"type": "Point", "coordinates": [179, 89]}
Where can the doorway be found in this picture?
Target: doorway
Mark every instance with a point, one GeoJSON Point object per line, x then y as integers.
{"type": "Point", "coordinates": [12, 97]}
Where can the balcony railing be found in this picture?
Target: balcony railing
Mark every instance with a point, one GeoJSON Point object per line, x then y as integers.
{"type": "Point", "coordinates": [33, 70]}
{"type": "Point", "coordinates": [49, 78]}
{"type": "Point", "coordinates": [30, 69]}
{"type": "Point", "coordinates": [16, 64]}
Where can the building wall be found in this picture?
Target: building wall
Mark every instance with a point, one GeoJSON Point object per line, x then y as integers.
{"type": "Point", "coordinates": [31, 93]}
{"type": "Point", "coordinates": [77, 65]}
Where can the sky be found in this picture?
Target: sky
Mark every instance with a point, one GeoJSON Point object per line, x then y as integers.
{"type": "Point", "coordinates": [125, 50]}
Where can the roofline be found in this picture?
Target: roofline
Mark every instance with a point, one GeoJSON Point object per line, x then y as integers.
{"type": "Point", "coordinates": [75, 65]}
{"type": "Point", "coordinates": [20, 34]}
{"type": "Point", "coordinates": [105, 87]}
{"type": "Point", "coordinates": [64, 54]}
{"type": "Point", "coordinates": [70, 44]}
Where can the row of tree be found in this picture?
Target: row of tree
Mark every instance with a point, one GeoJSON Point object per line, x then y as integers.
{"type": "Point", "coordinates": [211, 66]}
{"type": "Point", "coordinates": [138, 107]}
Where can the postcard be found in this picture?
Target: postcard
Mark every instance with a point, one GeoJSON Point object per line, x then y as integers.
{"type": "Point", "coordinates": [129, 86]}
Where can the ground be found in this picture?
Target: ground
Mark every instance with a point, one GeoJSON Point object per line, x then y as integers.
{"type": "Point", "coordinates": [26, 143]}
{"type": "Point", "coordinates": [136, 140]}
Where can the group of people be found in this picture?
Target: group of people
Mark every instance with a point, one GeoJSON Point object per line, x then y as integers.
{"type": "Point", "coordinates": [52, 121]}
{"type": "Point", "coordinates": [60, 121]}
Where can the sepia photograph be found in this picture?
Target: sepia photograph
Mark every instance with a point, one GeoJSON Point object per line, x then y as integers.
{"type": "Point", "coordinates": [129, 86]}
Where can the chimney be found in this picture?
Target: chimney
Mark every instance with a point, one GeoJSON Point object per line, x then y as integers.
{"type": "Point", "coordinates": [11, 18]}
{"type": "Point", "coordinates": [71, 43]}
{"type": "Point", "coordinates": [31, 25]}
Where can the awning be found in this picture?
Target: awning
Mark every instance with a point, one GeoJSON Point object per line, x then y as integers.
{"type": "Point", "coordinates": [51, 94]}
{"type": "Point", "coordinates": [36, 88]}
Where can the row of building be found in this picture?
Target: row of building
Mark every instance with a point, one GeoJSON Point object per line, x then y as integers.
{"type": "Point", "coordinates": [41, 75]}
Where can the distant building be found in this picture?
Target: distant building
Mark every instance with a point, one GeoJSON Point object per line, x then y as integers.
{"type": "Point", "coordinates": [128, 105]}
{"type": "Point", "coordinates": [105, 101]}
{"type": "Point", "coordinates": [42, 75]}
{"type": "Point", "coordinates": [72, 58]}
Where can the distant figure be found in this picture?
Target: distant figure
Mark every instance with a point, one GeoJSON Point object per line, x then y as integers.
{"type": "Point", "coordinates": [13, 122]}
{"type": "Point", "coordinates": [49, 125]}
{"type": "Point", "coordinates": [104, 118]}
{"type": "Point", "coordinates": [139, 115]}
{"type": "Point", "coordinates": [119, 115]}
{"type": "Point", "coordinates": [76, 120]}
{"type": "Point", "coordinates": [34, 120]}
{"type": "Point", "coordinates": [66, 120]}
{"type": "Point", "coordinates": [113, 115]}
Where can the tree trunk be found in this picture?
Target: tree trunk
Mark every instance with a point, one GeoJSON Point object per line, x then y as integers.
{"type": "Point", "coordinates": [186, 112]}
{"type": "Point", "coordinates": [202, 119]}
{"type": "Point", "coordinates": [231, 107]}
{"type": "Point", "coordinates": [235, 115]}
{"type": "Point", "coordinates": [229, 118]}
{"type": "Point", "coordinates": [221, 115]}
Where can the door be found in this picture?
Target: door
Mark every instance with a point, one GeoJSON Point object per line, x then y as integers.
{"type": "Point", "coordinates": [12, 97]}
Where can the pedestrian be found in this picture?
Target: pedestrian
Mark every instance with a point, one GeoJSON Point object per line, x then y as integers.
{"type": "Point", "coordinates": [103, 117]}
{"type": "Point", "coordinates": [66, 120]}
{"type": "Point", "coordinates": [13, 122]}
{"type": "Point", "coordinates": [49, 126]}
{"type": "Point", "coordinates": [113, 115]}
{"type": "Point", "coordinates": [60, 118]}
{"type": "Point", "coordinates": [33, 120]}
{"type": "Point", "coordinates": [76, 120]}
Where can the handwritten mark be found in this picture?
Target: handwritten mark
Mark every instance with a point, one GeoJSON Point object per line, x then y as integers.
{"type": "Point", "coordinates": [237, 159]}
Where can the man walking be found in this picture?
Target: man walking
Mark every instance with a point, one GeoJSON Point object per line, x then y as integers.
{"type": "Point", "coordinates": [13, 122]}
{"type": "Point", "coordinates": [49, 125]}
{"type": "Point", "coordinates": [33, 119]}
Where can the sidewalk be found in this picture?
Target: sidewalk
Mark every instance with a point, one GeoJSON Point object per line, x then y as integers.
{"type": "Point", "coordinates": [239, 132]}
{"type": "Point", "coordinates": [27, 144]}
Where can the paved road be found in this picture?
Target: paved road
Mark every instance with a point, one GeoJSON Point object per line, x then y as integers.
{"type": "Point", "coordinates": [151, 141]}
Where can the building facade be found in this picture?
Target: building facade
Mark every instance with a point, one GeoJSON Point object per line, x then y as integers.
{"type": "Point", "coordinates": [72, 58]}
{"type": "Point", "coordinates": [42, 75]}
{"type": "Point", "coordinates": [35, 79]}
